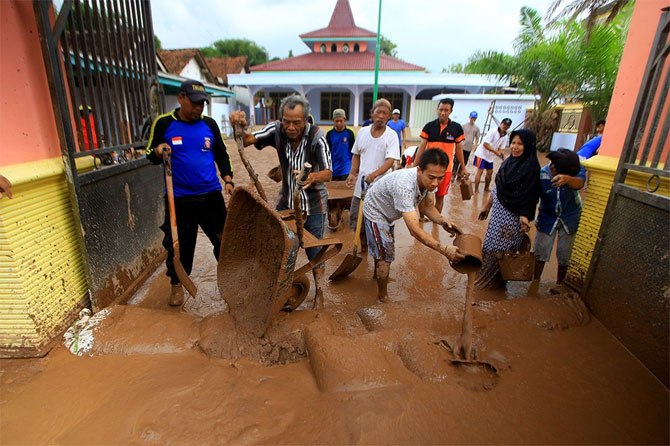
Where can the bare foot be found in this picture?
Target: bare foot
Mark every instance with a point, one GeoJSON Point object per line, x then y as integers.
{"type": "Point", "coordinates": [383, 299]}
{"type": "Point", "coordinates": [534, 288]}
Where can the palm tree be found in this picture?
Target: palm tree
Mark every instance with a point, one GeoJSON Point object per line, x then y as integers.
{"type": "Point", "coordinates": [577, 7]}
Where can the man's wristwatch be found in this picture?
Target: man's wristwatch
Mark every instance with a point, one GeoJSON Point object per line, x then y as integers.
{"type": "Point", "coordinates": [229, 182]}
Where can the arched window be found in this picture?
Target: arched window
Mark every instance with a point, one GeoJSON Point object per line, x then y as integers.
{"type": "Point", "coordinates": [345, 48]}
{"type": "Point", "coordinates": [357, 48]}
{"type": "Point", "coordinates": [323, 48]}
{"type": "Point", "coordinates": [333, 48]}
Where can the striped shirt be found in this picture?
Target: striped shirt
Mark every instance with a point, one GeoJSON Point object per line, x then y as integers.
{"type": "Point", "coordinates": [314, 198]}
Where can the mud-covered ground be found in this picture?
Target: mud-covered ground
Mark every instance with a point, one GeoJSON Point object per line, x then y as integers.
{"type": "Point", "coordinates": [356, 372]}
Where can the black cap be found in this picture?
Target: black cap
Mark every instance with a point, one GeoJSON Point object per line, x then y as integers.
{"type": "Point", "coordinates": [507, 121]}
{"type": "Point", "coordinates": [565, 161]}
{"type": "Point", "coordinates": [194, 90]}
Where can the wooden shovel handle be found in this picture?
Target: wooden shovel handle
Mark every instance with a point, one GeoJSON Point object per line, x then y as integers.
{"type": "Point", "coordinates": [247, 164]}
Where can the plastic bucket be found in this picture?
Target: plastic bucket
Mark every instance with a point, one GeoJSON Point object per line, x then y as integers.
{"type": "Point", "coordinates": [471, 246]}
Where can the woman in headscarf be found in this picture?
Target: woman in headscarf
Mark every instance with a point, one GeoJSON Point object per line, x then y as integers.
{"type": "Point", "coordinates": [512, 205]}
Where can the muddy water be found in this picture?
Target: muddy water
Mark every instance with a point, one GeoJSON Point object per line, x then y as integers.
{"type": "Point", "coordinates": [356, 372]}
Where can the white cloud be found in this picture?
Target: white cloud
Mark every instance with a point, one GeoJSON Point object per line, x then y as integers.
{"type": "Point", "coordinates": [430, 33]}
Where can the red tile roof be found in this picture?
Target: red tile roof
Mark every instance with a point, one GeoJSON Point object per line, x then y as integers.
{"type": "Point", "coordinates": [364, 61]}
{"type": "Point", "coordinates": [176, 60]}
{"type": "Point", "coordinates": [341, 24]}
{"type": "Point", "coordinates": [222, 66]}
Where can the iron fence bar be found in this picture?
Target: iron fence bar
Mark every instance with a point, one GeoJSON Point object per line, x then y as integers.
{"type": "Point", "coordinates": [82, 98]}
{"type": "Point", "coordinates": [143, 53]}
{"type": "Point", "coordinates": [125, 60]}
{"type": "Point", "coordinates": [59, 25]}
{"type": "Point", "coordinates": [108, 69]}
{"type": "Point", "coordinates": [87, 76]}
{"type": "Point", "coordinates": [100, 174]}
{"type": "Point", "coordinates": [665, 126]}
{"type": "Point", "coordinates": [98, 65]}
{"type": "Point", "coordinates": [121, 71]}
{"type": "Point", "coordinates": [146, 53]}
{"type": "Point", "coordinates": [630, 152]}
{"type": "Point", "coordinates": [645, 119]}
{"type": "Point", "coordinates": [651, 119]}
{"type": "Point", "coordinates": [139, 69]}
{"type": "Point", "coordinates": [110, 149]}
{"type": "Point", "coordinates": [67, 62]}
{"type": "Point", "coordinates": [645, 169]}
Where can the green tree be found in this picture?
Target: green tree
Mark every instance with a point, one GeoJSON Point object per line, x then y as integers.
{"type": "Point", "coordinates": [577, 7]}
{"type": "Point", "coordinates": [237, 47]}
{"type": "Point", "coordinates": [387, 47]}
{"type": "Point", "coordinates": [157, 42]}
{"type": "Point", "coordinates": [559, 61]}
{"type": "Point", "coordinates": [454, 68]}
{"type": "Point", "coordinates": [290, 53]}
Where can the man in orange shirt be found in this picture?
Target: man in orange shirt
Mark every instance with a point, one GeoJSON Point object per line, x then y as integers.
{"type": "Point", "coordinates": [444, 134]}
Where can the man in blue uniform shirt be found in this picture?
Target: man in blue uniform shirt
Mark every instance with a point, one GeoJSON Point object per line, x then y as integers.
{"type": "Point", "coordinates": [341, 140]}
{"type": "Point", "coordinates": [195, 144]}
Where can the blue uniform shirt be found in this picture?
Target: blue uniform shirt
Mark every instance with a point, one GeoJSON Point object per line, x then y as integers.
{"type": "Point", "coordinates": [558, 205]}
{"type": "Point", "coordinates": [590, 148]}
{"type": "Point", "coordinates": [398, 127]}
{"type": "Point", "coordinates": [196, 146]}
{"type": "Point", "coordinates": [340, 150]}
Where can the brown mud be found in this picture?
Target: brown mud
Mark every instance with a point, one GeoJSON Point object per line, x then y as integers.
{"type": "Point", "coordinates": [356, 372]}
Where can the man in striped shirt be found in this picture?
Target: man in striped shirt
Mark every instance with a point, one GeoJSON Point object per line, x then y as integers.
{"type": "Point", "coordinates": [298, 142]}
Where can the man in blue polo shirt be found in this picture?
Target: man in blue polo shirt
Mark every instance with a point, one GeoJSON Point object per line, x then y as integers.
{"type": "Point", "coordinates": [399, 126]}
{"type": "Point", "coordinates": [341, 140]}
{"type": "Point", "coordinates": [559, 212]}
{"type": "Point", "coordinates": [195, 144]}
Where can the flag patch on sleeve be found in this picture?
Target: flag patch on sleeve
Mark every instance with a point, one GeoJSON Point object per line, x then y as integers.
{"type": "Point", "coordinates": [176, 141]}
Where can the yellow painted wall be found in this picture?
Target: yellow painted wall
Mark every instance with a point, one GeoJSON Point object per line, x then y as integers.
{"type": "Point", "coordinates": [43, 278]}
{"type": "Point", "coordinates": [601, 177]}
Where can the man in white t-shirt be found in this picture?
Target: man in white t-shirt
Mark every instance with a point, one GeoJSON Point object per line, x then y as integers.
{"type": "Point", "coordinates": [397, 195]}
{"type": "Point", "coordinates": [492, 145]}
{"type": "Point", "coordinates": [375, 150]}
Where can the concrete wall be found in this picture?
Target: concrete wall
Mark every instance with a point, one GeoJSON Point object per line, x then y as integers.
{"type": "Point", "coordinates": [28, 128]}
{"type": "Point", "coordinates": [43, 278]}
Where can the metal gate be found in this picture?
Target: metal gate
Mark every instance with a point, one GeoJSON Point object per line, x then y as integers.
{"type": "Point", "coordinates": [628, 284]}
{"type": "Point", "coordinates": [101, 65]}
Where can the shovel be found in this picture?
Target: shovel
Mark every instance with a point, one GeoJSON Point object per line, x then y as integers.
{"type": "Point", "coordinates": [351, 261]}
{"type": "Point", "coordinates": [179, 269]}
{"type": "Point", "coordinates": [247, 164]}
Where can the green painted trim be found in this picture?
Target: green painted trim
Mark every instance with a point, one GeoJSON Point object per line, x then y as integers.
{"type": "Point", "coordinates": [340, 39]}
{"type": "Point", "coordinates": [215, 92]}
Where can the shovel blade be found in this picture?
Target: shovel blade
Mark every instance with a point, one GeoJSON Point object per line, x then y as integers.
{"type": "Point", "coordinates": [348, 265]}
{"type": "Point", "coordinates": [184, 278]}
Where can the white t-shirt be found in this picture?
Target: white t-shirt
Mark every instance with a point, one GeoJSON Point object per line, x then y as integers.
{"type": "Point", "coordinates": [373, 152]}
{"type": "Point", "coordinates": [495, 140]}
{"type": "Point", "coordinates": [392, 195]}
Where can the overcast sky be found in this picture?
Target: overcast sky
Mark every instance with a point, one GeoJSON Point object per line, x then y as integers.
{"type": "Point", "coordinates": [430, 33]}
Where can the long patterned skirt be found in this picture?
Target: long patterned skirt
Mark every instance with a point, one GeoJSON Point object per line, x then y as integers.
{"type": "Point", "coordinates": [503, 234]}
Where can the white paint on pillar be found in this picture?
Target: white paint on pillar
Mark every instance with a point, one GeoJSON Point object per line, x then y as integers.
{"type": "Point", "coordinates": [412, 107]}
{"type": "Point", "coordinates": [357, 106]}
